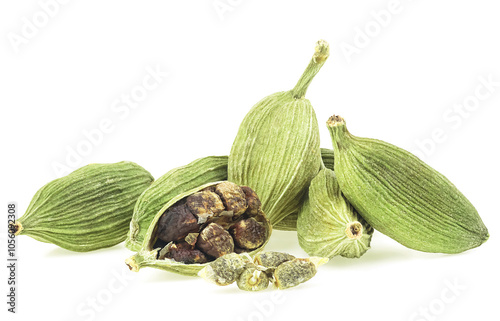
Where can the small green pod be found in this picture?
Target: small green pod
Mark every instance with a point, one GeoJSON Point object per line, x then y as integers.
{"type": "Point", "coordinates": [177, 181]}
{"type": "Point", "coordinates": [403, 197]}
{"type": "Point", "coordinates": [328, 225]}
{"type": "Point", "coordinates": [86, 210]}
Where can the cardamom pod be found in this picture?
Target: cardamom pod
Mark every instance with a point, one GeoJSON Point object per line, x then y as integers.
{"type": "Point", "coordinates": [403, 197]}
{"type": "Point", "coordinates": [276, 150]}
{"type": "Point", "coordinates": [200, 225]}
{"type": "Point", "coordinates": [177, 181]}
{"type": "Point", "coordinates": [328, 225]}
{"type": "Point", "coordinates": [86, 210]}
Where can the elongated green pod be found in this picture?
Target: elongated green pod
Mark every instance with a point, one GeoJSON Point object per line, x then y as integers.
{"type": "Point", "coordinates": [401, 196]}
{"type": "Point", "coordinates": [88, 209]}
{"type": "Point", "coordinates": [177, 181]}
{"type": "Point", "coordinates": [328, 225]}
{"type": "Point", "coordinates": [276, 150]}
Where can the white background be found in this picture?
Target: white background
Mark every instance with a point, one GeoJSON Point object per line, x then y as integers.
{"type": "Point", "coordinates": [399, 84]}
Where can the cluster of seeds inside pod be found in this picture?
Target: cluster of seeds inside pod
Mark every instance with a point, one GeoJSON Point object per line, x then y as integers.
{"type": "Point", "coordinates": [282, 270]}
{"type": "Point", "coordinates": [218, 220]}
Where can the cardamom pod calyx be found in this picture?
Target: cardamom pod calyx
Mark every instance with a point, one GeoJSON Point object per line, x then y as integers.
{"type": "Point", "coordinates": [403, 197]}
{"type": "Point", "coordinates": [276, 150]}
{"type": "Point", "coordinates": [196, 227]}
{"type": "Point", "coordinates": [86, 210]}
{"type": "Point", "coordinates": [327, 224]}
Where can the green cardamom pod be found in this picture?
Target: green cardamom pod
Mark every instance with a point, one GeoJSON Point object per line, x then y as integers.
{"type": "Point", "coordinates": [276, 150]}
{"type": "Point", "coordinates": [401, 196]}
{"type": "Point", "coordinates": [201, 225]}
{"type": "Point", "coordinates": [328, 225]}
{"type": "Point", "coordinates": [177, 181]}
{"type": "Point", "coordinates": [86, 210]}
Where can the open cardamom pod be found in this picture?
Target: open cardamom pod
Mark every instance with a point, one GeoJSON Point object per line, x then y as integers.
{"type": "Point", "coordinates": [177, 181]}
{"type": "Point", "coordinates": [403, 197]}
{"type": "Point", "coordinates": [86, 210]}
{"type": "Point", "coordinates": [328, 225]}
{"type": "Point", "coordinates": [200, 225]}
{"type": "Point", "coordinates": [276, 150]}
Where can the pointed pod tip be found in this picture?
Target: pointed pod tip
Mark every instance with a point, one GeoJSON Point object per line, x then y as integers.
{"type": "Point", "coordinates": [335, 120]}
{"type": "Point", "coordinates": [317, 260]}
{"type": "Point", "coordinates": [16, 228]}
{"type": "Point", "coordinates": [132, 264]}
{"type": "Point", "coordinates": [322, 51]}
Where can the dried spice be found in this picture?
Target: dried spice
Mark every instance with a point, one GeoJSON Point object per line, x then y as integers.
{"type": "Point", "coordinates": [296, 271]}
{"type": "Point", "coordinates": [225, 270]}
{"type": "Point", "coordinates": [272, 259]}
{"type": "Point", "coordinates": [276, 150]}
{"type": "Point", "coordinates": [327, 224]}
{"type": "Point", "coordinates": [401, 196]}
{"type": "Point", "coordinates": [86, 210]}
{"type": "Point", "coordinates": [253, 278]}
{"type": "Point", "coordinates": [204, 205]}
{"type": "Point", "coordinates": [177, 181]}
{"type": "Point", "coordinates": [253, 201]}
{"type": "Point", "coordinates": [184, 252]}
{"type": "Point", "coordinates": [248, 234]}
{"type": "Point", "coordinates": [233, 197]}
{"type": "Point", "coordinates": [215, 241]}
{"type": "Point", "coordinates": [219, 233]}
{"type": "Point", "coordinates": [176, 223]}
{"type": "Point", "coordinates": [282, 269]}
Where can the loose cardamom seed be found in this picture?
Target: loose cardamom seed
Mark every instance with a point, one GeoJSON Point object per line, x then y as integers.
{"type": "Point", "coordinates": [88, 209]}
{"type": "Point", "coordinates": [401, 196]}
{"type": "Point", "coordinates": [327, 224]}
{"type": "Point", "coordinates": [252, 278]}
{"type": "Point", "coordinates": [272, 259]}
{"type": "Point", "coordinates": [276, 150]}
{"type": "Point", "coordinates": [296, 271]}
{"type": "Point", "coordinates": [224, 270]}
